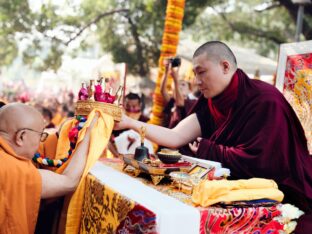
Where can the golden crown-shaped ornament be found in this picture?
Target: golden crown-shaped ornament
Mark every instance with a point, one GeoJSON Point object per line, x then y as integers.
{"type": "Point", "coordinates": [97, 96]}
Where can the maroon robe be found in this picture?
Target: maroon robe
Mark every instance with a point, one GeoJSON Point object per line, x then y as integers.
{"type": "Point", "coordinates": [261, 137]}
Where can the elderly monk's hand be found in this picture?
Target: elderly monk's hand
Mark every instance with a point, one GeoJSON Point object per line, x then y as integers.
{"type": "Point", "coordinates": [88, 132]}
{"type": "Point", "coordinates": [124, 123]}
{"type": "Point", "coordinates": [95, 118]}
{"type": "Point", "coordinates": [194, 146]}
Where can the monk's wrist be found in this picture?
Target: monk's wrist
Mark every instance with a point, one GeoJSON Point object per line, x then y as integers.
{"type": "Point", "coordinates": [135, 125]}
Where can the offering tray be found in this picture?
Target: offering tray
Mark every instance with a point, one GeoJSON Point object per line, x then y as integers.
{"type": "Point", "coordinates": [85, 107]}
{"type": "Point", "coordinates": [156, 171]}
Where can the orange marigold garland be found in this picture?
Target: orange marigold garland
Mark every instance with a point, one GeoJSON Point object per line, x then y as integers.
{"type": "Point", "coordinates": [170, 40]}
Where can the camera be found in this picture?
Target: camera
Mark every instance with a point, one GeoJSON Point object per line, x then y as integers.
{"type": "Point", "coordinates": [175, 62]}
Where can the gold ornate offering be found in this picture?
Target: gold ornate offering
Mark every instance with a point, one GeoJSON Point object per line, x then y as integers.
{"type": "Point", "coordinates": [151, 167]}
{"type": "Point", "coordinates": [169, 151]}
{"type": "Point", "coordinates": [85, 107]}
{"type": "Point", "coordinates": [91, 90]}
{"type": "Point", "coordinates": [169, 156]}
{"type": "Point", "coordinates": [95, 96]}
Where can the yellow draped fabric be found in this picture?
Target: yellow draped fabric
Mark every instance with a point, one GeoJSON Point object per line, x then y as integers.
{"type": "Point", "coordinates": [104, 206]}
{"type": "Point", "coordinates": [100, 136]}
{"type": "Point", "coordinates": [210, 192]}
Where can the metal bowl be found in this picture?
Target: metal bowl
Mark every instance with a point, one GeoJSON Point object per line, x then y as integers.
{"type": "Point", "coordinates": [169, 158]}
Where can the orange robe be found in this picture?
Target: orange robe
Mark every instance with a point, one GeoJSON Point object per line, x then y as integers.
{"type": "Point", "coordinates": [20, 192]}
{"type": "Point", "coordinates": [48, 147]}
{"type": "Point", "coordinates": [57, 119]}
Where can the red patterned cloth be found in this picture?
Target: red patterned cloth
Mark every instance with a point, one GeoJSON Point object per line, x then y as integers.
{"type": "Point", "coordinates": [240, 220]}
{"type": "Point", "coordinates": [138, 220]}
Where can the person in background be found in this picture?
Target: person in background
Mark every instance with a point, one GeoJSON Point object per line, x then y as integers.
{"type": "Point", "coordinates": [257, 74]}
{"type": "Point", "coordinates": [179, 103]}
{"type": "Point", "coordinates": [61, 114]}
{"type": "Point", "coordinates": [133, 109]}
{"type": "Point", "coordinates": [47, 115]}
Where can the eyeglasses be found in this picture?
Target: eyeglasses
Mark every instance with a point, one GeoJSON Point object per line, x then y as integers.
{"type": "Point", "coordinates": [43, 135]}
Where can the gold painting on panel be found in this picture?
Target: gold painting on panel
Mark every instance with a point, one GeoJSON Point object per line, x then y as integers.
{"type": "Point", "coordinates": [294, 79]}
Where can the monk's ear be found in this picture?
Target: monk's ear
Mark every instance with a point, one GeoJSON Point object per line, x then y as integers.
{"type": "Point", "coordinates": [226, 66]}
{"type": "Point", "coordinates": [20, 137]}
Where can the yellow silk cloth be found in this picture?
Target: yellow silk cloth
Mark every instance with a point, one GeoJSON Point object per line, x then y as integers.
{"type": "Point", "coordinates": [100, 135]}
{"type": "Point", "coordinates": [103, 208]}
{"type": "Point", "coordinates": [210, 192]}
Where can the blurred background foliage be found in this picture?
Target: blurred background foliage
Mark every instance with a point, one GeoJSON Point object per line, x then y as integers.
{"type": "Point", "coordinates": [131, 31]}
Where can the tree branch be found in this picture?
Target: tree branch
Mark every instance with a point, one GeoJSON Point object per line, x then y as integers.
{"type": "Point", "coordinates": [254, 31]}
{"type": "Point", "coordinates": [143, 66]}
{"type": "Point", "coordinates": [293, 11]}
{"type": "Point", "coordinates": [269, 7]}
{"type": "Point", "coordinates": [94, 22]}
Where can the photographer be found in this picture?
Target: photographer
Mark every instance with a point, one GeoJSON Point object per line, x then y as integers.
{"type": "Point", "coordinates": [178, 104]}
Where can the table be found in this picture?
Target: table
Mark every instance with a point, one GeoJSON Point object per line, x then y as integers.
{"type": "Point", "coordinates": [118, 203]}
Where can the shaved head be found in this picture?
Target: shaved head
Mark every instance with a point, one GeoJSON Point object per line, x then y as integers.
{"type": "Point", "coordinates": [21, 126]}
{"type": "Point", "coordinates": [217, 51]}
{"type": "Point", "coordinates": [214, 65]}
{"type": "Point", "coordinates": [14, 116]}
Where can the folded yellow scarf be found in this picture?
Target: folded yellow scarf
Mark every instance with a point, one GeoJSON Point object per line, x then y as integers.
{"type": "Point", "coordinates": [210, 192]}
{"type": "Point", "coordinates": [100, 135]}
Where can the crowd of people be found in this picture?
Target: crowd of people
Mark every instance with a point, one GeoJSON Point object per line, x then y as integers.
{"type": "Point", "coordinates": [245, 124]}
{"type": "Point", "coordinates": [55, 107]}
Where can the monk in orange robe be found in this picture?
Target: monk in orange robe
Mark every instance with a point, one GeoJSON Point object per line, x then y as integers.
{"type": "Point", "coordinates": [21, 184]}
{"type": "Point", "coordinates": [49, 146]}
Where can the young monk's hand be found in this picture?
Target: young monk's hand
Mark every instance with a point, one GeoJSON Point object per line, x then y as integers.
{"type": "Point", "coordinates": [194, 146]}
{"type": "Point", "coordinates": [124, 123]}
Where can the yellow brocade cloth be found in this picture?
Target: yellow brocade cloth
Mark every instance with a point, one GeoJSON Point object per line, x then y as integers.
{"type": "Point", "coordinates": [211, 192]}
{"type": "Point", "coordinates": [104, 206]}
{"type": "Point", "coordinates": [100, 135]}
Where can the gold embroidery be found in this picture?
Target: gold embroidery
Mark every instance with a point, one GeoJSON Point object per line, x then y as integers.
{"type": "Point", "coordinates": [103, 208]}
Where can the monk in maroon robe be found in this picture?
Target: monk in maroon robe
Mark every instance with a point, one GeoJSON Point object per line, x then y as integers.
{"type": "Point", "coordinates": [257, 134]}
{"type": "Point", "coordinates": [245, 124]}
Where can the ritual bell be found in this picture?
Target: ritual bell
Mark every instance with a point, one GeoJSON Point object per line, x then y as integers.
{"type": "Point", "coordinates": [141, 152]}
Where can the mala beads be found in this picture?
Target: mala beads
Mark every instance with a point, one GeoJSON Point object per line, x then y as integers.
{"type": "Point", "coordinates": [72, 136]}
